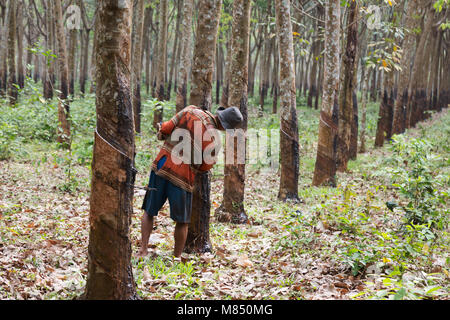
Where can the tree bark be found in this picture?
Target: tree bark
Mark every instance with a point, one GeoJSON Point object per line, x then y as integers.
{"type": "Point", "coordinates": [266, 62]}
{"type": "Point", "coordinates": [4, 52]}
{"type": "Point", "coordinates": [20, 34]}
{"type": "Point", "coordinates": [313, 74]}
{"type": "Point", "coordinates": [362, 137]}
{"type": "Point", "coordinates": [276, 81]}
{"type": "Point", "coordinates": [226, 82]}
{"type": "Point", "coordinates": [401, 103]}
{"type": "Point", "coordinates": [110, 273]}
{"type": "Point", "coordinates": [85, 61]}
{"type": "Point", "coordinates": [12, 80]}
{"type": "Point", "coordinates": [185, 62]}
{"type": "Point", "coordinates": [232, 208]}
{"type": "Point", "coordinates": [47, 67]}
{"type": "Point", "coordinates": [137, 64]}
{"type": "Point", "coordinates": [63, 105]}
{"type": "Point", "coordinates": [175, 48]}
{"type": "Point", "coordinates": [434, 69]}
{"type": "Point", "coordinates": [325, 167]}
{"type": "Point", "coordinates": [73, 37]}
{"type": "Point", "coordinates": [444, 89]}
{"type": "Point", "coordinates": [289, 147]}
{"type": "Point", "coordinates": [348, 88]}
{"type": "Point", "coordinates": [202, 71]}
{"type": "Point", "coordinates": [418, 94]}
{"type": "Point", "coordinates": [148, 21]}
{"type": "Point", "coordinates": [162, 53]}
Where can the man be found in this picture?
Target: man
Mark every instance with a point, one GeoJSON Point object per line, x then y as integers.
{"type": "Point", "coordinates": [173, 170]}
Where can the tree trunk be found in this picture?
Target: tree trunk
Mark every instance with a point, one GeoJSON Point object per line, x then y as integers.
{"type": "Point", "coordinates": [313, 75]}
{"type": "Point", "coordinates": [325, 167]}
{"type": "Point", "coordinates": [306, 74]}
{"type": "Point", "coordinates": [63, 105]}
{"type": "Point", "coordinates": [12, 80]}
{"type": "Point", "coordinates": [362, 137]}
{"type": "Point", "coordinates": [289, 147]}
{"type": "Point", "coordinates": [385, 117]}
{"type": "Point", "coordinates": [46, 78]}
{"type": "Point", "coordinates": [276, 82]}
{"type": "Point", "coordinates": [20, 68]}
{"type": "Point", "coordinates": [155, 53]}
{"type": "Point", "coordinates": [218, 72]}
{"type": "Point", "coordinates": [252, 69]}
{"type": "Point", "coordinates": [136, 65]}
{"type": "Point", "coordinates": [444, 90]}
{"type": "Point", "coordinates": [71, 60]}
{"type": "Point", "coordinates": [175, 48]}
{"type": "Point", "coordinates": [401, 103]}
{"type": "Point", "coordinates": [202, 71]}
{"type": "Point", "coordinates": [181, 100]}
{"type": "Point", "coordinates": [93, 65]}
{"type": "Point", "coordinates": [434, 70]}
{"type": "Point", "coordinates": [226, 82]}
{"type": "Point", "coordinates": [418, 95]}
{"type": "Point", "coordinates": [4, 52]}
{"type": "Point", "coordinates": [148, 21]}
{"type": "Point", "coordinates": [110, 273]}
{"type": "Point", "coordinates": [348, 88]}
{"type": "Point", "coordinates": [84, 71]}
{"type": "Point", "coordinates": [234, 183]}
{"type": "Point", "coordinates": [162, 52]}
{"type": "Point", "coordinates": [265, 64]}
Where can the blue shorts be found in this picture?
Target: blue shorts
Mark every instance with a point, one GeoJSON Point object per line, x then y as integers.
{"type": "Point", "coordinates": [180, 200]}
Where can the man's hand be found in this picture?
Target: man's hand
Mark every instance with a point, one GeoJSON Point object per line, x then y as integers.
{"type": "Point", "coordinates": [159, 134]}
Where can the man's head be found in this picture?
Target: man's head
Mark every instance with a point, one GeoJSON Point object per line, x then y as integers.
{"type": "Point", "coordinates": [229, 118]}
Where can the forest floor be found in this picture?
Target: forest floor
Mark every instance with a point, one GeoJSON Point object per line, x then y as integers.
{"type": "Point", "coordinates": [337, 243]}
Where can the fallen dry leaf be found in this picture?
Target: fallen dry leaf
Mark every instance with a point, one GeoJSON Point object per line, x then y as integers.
{"type": "Point", "coordinates": [243, 261]}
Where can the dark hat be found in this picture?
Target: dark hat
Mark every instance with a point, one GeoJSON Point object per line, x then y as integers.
{"type": "Point", "coordinates": [230, 118]}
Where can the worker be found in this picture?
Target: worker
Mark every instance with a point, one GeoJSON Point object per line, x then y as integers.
{"type": "Point", "coordinates": [174, 169]}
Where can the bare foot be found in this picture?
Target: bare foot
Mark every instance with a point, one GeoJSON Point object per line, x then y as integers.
{"type": "Point", "coordinates": [142, 253]}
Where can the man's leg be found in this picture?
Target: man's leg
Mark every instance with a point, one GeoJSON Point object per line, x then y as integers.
{"type": "Point", "coordinates": [153, 202]}
{"type": "Point", "coordinates": [146, 231]}
{"type": "Point", "coordinates": [180, 234]}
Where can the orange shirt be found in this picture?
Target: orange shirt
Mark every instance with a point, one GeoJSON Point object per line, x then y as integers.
{"type": "Point", "coordinates": [180, 169]}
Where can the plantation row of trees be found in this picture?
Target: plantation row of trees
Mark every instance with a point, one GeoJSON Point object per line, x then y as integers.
{"type": "Point", "coordinates": [327, 51]}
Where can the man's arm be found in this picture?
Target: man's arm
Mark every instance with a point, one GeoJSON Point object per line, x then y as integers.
{"type": "Point", "coordinates": [165, 129]}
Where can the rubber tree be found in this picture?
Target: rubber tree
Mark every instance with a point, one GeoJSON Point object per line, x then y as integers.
{"type": "Point", "coordinates": [4, 49]}
{"type": "Point", "coordinates": [162, 59]}
{"type": "Point", "coordinates": [20, 35]}
{"type": "Point", "coordinates": [348, 89]}
{"type": "Point", "coordinates": [325, 167]}
{"type": "Point", "coordinates": [63, 104]}
{"type": "Point", "coordinates": [418, 86]}
{"type": "Point", "coordinates": [12, 79]}
{"type": "Point", "coordinates": [401, 103]}
{"type": "Point", "coordinates": [198, 239]}
{"type": "Point", "coordinates": [136, 64]}
{"type": "Point", "coordinates": [110, 273]}
{"type": "Point", "coordinates": [185, 61]}
{"type": "Point", "coordinates": [289, 146]}
{"type": "Point", "coordinates": [232, 208]}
